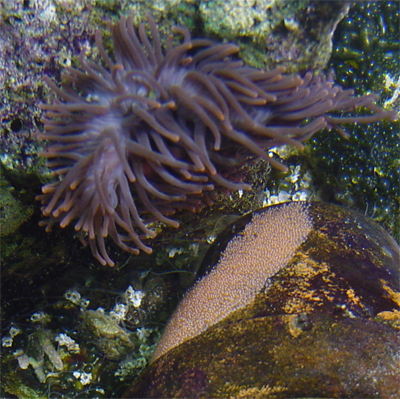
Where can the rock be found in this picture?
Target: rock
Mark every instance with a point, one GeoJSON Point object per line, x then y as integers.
{"type": "Point", "coordinates": [325, 324]}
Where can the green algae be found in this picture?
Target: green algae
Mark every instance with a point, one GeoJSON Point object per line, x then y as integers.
{"type": "Point", "coordinates": [13, 212]}
{"type": "Point", "coordinates": [363, 171]}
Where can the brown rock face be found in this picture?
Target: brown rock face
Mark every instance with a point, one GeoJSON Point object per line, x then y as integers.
{"type": "Point", "coordinates": [326, 324]}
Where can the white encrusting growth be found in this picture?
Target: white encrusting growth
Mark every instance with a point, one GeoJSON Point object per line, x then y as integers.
{"type": "Point", "coordinates": [265, 246]}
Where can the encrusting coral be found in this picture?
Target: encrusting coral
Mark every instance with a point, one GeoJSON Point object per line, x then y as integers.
{"type": "Point", "coordinates": [153, 130]}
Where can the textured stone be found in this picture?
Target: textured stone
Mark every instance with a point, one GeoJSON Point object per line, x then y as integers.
{"type": "Point", "coordinates": [326, 325]}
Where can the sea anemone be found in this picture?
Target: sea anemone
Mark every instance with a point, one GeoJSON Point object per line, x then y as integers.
{"type": "Point", "coordinates": [150, 130]}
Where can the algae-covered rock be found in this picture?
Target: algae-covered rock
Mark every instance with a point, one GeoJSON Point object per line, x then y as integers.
{"type": "Point", "coordinates": [294, 34]}
{"type": "Point", "coordinates": [323, 325]}
{"type": "Point", "coordinates": [13, 212]}
{"type": "Point", "coordinates": [280, 357]}
{"type": "Point", "coordinates": [111, 339]}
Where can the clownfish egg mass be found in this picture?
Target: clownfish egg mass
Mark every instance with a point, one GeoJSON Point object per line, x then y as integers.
{"type": "Point", "coordinates": [265, 246]}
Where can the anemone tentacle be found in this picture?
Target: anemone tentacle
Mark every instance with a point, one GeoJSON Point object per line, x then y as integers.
{"type": "Point", "coordinates": [152, 129]}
